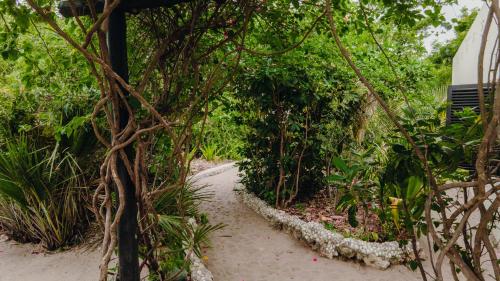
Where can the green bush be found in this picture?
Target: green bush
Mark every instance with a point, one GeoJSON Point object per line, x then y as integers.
{"type": "Point", "coordinates": [42, 195]}
{"type": "Point", "coordinates": [294, 115]}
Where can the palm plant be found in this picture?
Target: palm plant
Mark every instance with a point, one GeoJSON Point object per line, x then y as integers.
{"type": "Point", "coordinates": [183, 229]}
{"type": "Point", "coordinates": [210, 152]}
{"type": "Point", "coordinates": [182, 201]}
{"type": "Point", "coordinates": [42, 194]}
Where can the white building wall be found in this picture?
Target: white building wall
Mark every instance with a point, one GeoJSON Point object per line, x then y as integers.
{"type": "Point", "coordinates": [466, 59]}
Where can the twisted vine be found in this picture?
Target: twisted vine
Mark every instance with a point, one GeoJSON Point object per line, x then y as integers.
{"type": "Point", "coordinates": [175, 57]}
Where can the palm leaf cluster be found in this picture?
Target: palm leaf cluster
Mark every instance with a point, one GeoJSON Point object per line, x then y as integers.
{"type": "Point", "coordinates": [177, 211]}
{"type": "Point", "coordinates": [42, 194]}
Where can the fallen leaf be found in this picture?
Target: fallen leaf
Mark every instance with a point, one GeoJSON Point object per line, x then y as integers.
{"type": "Point", "coordinates": [323, 218]}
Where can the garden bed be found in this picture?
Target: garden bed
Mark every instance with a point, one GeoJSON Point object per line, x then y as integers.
{"type": "Point", "coordinates": [321, 209]}
{"type": "Point", "coordinates": [328, 243]}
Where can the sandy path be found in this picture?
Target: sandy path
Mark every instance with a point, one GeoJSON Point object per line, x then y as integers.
{"type": "Point", "coordinates": [19, 263]}
{"type": "Point", "coordinates": [249, 249]}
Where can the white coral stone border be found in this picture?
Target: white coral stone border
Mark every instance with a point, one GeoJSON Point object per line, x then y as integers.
{"type": "Point", "coordinates": [212, 171]}
{"type": "Point", "coordinates": [329, 244]}
{"type": "Point", "coordinates": [199, 272]}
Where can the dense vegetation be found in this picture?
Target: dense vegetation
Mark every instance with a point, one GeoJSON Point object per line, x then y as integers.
{"type": "Point", "coordinates": [304, 114]}
{"type": "Point", "coordinates": [314, 98]}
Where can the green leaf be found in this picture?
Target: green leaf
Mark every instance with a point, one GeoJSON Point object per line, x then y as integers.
{"type": "Point", "coordinates": [335, 178]}
{"type": "Point", "coordinates": [414, 187]}
{"type": "Point", "coordinates": [413, 265]}
{"type": "Point", "coordinates": [435, 248]}
{"type": "Point", "coordinates": [346, 201]}
{"type": "Point", "coordinates": [351, 212]}
{"type": "Point", "coordinates": [340, 164]}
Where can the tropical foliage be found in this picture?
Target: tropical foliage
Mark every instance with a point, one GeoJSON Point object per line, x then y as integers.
{"type": "Point", "coordinates": [314, 97]}
{"type": "Point", "coordinates": [297, 112]}
{"type": "Point", "coordinates": [41, 195]}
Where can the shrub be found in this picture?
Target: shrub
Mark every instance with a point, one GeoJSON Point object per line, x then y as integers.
{"type": "Point", "coordinates": [294, 114]}
{"type": "Point", "coordinates": [353, 189]}
{"type": "Point", "coordinates": [42, 195]}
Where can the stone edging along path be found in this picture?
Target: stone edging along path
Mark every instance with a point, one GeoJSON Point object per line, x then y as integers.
{"type": "Point", "coordinates": [212, 172]}
{"type": "Point", "coordinates": [329, 244]}
{"type": "Point", "coordinates": [199, 272]}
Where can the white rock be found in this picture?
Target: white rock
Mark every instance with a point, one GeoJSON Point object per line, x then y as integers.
{"type": "Point", "coordinates": [329, 244]}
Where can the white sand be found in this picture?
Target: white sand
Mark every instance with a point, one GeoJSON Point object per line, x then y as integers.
{"type": "Point", "coordinates": [249, 249]}
{"type": "Point", "coordinates": [20, 263]}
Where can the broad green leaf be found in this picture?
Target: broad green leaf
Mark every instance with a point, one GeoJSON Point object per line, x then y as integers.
{"type": "Point", "coordinates": [340, 164]}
